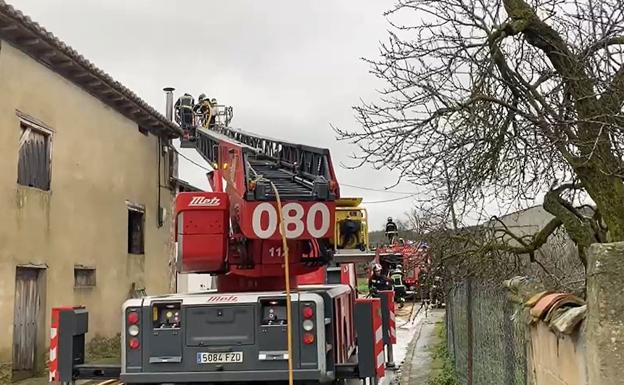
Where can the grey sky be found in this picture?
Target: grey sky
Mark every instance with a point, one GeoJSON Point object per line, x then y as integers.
{"type": "Point", "coordinates": [289, 68]}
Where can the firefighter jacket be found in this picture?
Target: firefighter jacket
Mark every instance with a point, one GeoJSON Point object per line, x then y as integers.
{"type": "Point", "coordinates": [378, 282]}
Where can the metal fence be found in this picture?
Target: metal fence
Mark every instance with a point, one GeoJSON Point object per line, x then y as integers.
{"type": "Point", "coordinates": [485, 339]}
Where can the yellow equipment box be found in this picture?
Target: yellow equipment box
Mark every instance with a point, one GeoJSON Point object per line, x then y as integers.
{"type": "Point", "coordinates": [351, 225]}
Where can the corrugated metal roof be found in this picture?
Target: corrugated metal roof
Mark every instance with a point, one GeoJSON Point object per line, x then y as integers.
{"type": "Point", "coordinates": [37, 42]}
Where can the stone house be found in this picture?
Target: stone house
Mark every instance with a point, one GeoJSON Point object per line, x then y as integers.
{"type": "Point", "coordinates": [85, 192]}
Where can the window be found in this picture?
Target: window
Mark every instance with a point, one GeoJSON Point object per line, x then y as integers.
{"type": "Point", "coordinates": [136, 226]}
{"type": "Point", "coordinates": [84, 276]}
{"type": "Point", "coordinates": [33, 167]}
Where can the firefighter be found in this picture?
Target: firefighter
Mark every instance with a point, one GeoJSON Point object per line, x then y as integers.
{"type": "Point", "coordinates": [377, 282]}
{"type": "Point", "coordinates": [350, 233]}
{"type": "Point", "coordinates": [436, 294]}
{"type": "Point", "coordinates": [184, 112]}
{"type": "Point", "coordinates": [213, 116]}
{"type": "Point", "coordinates": [400, 292]}
{"type": "Point", "coordinates": [204, 110]}
{"type": "Point", "coordinates": [391, 230]}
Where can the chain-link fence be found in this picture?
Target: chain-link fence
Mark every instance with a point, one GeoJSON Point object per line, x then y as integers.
{"type": "Point", "coordinates": [485, 340]}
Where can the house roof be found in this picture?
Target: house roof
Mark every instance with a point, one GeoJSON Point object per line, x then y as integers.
{"type": "Point", "coordinates": [43, 46]}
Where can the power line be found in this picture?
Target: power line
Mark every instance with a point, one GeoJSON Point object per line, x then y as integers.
{"type": "Point", "coordinates": [390, 200]}
{"type": "Point", "coordinates": [191, 160]}
{"type": "Point", "coordinates": [375, 189]}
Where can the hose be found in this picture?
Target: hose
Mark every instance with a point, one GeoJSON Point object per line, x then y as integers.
{"type": "Point", "coordinates": [282, 229]}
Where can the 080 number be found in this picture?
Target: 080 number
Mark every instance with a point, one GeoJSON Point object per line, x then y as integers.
{"type": "Point", "coordinates": [296, 220]}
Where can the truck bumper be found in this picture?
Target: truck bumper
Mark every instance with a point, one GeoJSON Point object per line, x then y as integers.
{"type": "Point", "coordinates": [222, 376]}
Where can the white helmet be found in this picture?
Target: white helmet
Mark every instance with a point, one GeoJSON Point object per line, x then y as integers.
{"type": "Point", "coordinates": [376, 267]}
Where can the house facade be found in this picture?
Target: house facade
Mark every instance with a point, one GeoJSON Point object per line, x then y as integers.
{"type": "Point", "coordinates": [85, 193]}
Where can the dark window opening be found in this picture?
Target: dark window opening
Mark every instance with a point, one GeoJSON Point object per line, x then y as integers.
{"type": "Point", "coordinates": [33, 168]}
{"type": "Point", "coordinates": [84, 276]}
{"type": "Point", "coordinates": [136, 224]}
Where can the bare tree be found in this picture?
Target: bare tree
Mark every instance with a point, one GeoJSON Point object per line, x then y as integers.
{"type": "Point", "coordinates": [424, 219]}
{"type": "Point", "coordinates": [508, 99]}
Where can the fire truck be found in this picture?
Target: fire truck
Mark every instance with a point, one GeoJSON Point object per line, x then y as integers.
{"type": "Point", "coordinates": [285, 299]}
{"type": "Point", "coordinates": [415, 260]}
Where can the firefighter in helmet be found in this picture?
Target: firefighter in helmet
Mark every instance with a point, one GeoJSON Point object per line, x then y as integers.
{"type": "Point", "coordinates": [204, 110]}
{"type": "Point", "coordinates": [391, 230]}
{"type": "Point", "coordinates": [184, 112]}
{"type": "Point", "coordinates": [400, 291]}
{"type": "Point", "coordinates": [378, 282]}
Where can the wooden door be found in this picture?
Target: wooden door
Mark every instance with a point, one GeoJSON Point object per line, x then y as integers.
{"type": "Point", "coordinates": [25, 320]}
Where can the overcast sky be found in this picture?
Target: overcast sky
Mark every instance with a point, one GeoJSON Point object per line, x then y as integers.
{"type": "Point", "coordinates": [289, 68]}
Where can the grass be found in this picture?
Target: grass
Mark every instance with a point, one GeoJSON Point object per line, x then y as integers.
{"type": "Point", "coordinates": [362, 285]}
{"type": "Point", "coordinates": [103, 350]}
{"type": "Point", "coordinates": [442, 370]}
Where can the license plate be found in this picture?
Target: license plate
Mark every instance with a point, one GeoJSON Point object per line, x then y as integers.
{"type": "Point", "coordinates": [220, 358]}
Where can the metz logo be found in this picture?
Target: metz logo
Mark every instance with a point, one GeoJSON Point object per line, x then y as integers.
{"type": "Point", "coordinates": [222, 298]}
{"type": "Point", "coordinates": [205, 202]}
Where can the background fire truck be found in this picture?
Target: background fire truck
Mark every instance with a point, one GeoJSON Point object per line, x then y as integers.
{"type": "Point", "coordinates": [415, 261]}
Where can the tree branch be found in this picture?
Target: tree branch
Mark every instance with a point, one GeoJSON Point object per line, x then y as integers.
{"type": "Point", "coordinates": [613, 99]}
{"type": "Point", "coordinates": [602, 44]}
{"type": "Point", "coordinates": [578, 227]}
{"type": "Point", "coordinates": [537, 240]}
{"type": "Point", "coordinates": [542, 36]}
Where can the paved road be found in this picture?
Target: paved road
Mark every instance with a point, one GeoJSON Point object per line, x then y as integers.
{"type": "Point", "coordinates": [418, 355]}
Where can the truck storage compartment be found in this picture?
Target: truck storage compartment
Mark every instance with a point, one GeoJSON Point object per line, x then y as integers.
{"type": "Point", "coordinates": [220, 325]}
{"type": "Point", "coordinates": [165, 340]}
{"type": "Point", "coordinates": [202, 232]}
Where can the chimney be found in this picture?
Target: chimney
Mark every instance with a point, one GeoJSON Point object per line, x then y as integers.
{"type": "Point", "coordinates": [169, 102]}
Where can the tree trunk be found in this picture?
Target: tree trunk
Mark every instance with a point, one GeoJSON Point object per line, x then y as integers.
{"type": "Point", "coordinates": [607, 191]}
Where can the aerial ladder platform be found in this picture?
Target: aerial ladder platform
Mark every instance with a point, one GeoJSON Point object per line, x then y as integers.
{"type": "Point", "coordinates": [270, 219]}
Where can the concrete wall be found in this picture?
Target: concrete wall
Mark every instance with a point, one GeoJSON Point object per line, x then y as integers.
{"type": "Point", "coordinates": [99, 161]}
{"type": "Point", "coordinates": [562, 268]}
{"type": "Point", "coordinates": [557, 360]}
{"type": "Point", "coordinates": [605, 317]}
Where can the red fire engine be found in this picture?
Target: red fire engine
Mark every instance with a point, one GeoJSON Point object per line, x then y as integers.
{"type": "Point", "coordinates": [284, 308]}
{"type": "Point", "coordinates": [414, 258]}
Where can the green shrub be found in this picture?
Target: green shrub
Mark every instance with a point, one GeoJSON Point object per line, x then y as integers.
{"type": "Point", "coordinates": [102, 347]}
